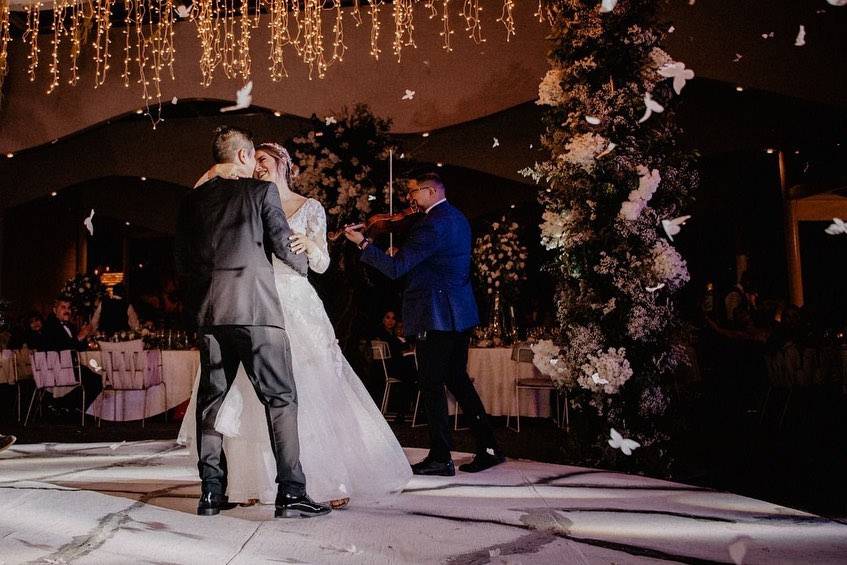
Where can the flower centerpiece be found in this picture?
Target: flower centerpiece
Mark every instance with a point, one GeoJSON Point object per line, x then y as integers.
{"type": "Point", "coordinates": [83, 291]}
{"type": "Point", "coordinates": [499, 261]}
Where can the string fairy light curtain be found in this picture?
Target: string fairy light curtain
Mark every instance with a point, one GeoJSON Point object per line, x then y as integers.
{"type": "Point", "coordinates": [311, 30]}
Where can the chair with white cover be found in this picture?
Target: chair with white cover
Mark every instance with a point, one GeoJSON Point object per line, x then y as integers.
{"type": "Point", "coordinates": [57, 371]}
{"type": "Point", "coordinates": [521, 353]}
{"type": "Point", "coordinates": [10, 375]}
{"type": "Point", "coordinates": [128, 367]}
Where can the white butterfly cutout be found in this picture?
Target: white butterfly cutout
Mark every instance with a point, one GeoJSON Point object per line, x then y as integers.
{"type": "Point", "coordinates": [597, 380]}
{"type": "Point", "coordinates": [88, 222]}
{"type": "Point", "coordinates": [679, 73]}
{"type": "Point", "coordinates": [800, 41]}
{"type": "Point", "coordinates": [767, 35]}
{"type": "Point", "coordinates": [617, 441]}
{"type": "Point", "coordinates": [671, 29]}
{"type": "Point", "coordinates": [410, 95]}
{"type": "Point", "coordinates": [652, 106]}
{"type": "Point", "coordinates": [371, 197]}
{"type": "Point", "coordinates": [329, 120]}
{"type": "Point", "coordinates": [183, 11]}
{"type": "Point", "coordinates": [607, 6]}
{"type": "Point", "coordinates": [738, 57]}
{"type": "Point", "coordinates": [115, 446]}
{"type": "Point", "coordinates": [659, 286]}
{"type": "Point", "coordinates": [496, 143]}
{"type": "Point", "coordinates": [95, 366]}
{"type": "Point", "coordinates": [592, 120]}
{"type": "Point", "coordinates": [837, 227]}
{"type": "Point", "coordinates": [673, 227]}
{"type": "Point", "coordinates": [608, 149]}
{"type": "Point", "coordinates": [174, 100]}
{"type": "Point", "coordinates": [243, 98]}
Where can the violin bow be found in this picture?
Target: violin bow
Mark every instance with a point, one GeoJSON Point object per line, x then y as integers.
{"type": "Point", "coordinates": [391, 194]}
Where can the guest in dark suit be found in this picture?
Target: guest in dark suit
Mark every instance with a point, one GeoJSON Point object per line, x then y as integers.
{"type": "Point", "coordinates": [439, 309]}
{"type": "Point", "coordinates": [401, 365]}
{"type": "Point", "coordinates": [226, 232]}
{"type": "Point", "coordinates": [59, 335]}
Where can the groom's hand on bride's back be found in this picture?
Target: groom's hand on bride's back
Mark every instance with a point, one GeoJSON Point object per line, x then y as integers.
{"type": "Point", "coordinates": [277, 231]}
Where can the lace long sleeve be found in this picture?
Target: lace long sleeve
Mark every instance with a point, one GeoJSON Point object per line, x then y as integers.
{"type": "Point", "coordinates": [316, 232]}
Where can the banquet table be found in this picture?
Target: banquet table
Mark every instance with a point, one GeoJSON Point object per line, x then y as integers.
{"type": "Point", "coordinates": [8, 359]}
{"type": "Point", "coordinates": [494, 374]}
{"type": "Point", "coordinates": [178, 371]}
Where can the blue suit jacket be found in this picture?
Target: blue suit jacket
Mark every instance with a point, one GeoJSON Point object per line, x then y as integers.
{"type": "Point", "coordinates": [437, 258]}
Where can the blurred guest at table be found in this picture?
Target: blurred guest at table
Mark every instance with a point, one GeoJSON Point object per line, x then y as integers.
{"type": "Point", "coordinates": [115, 314]}
{"type": "Point", "coordinates": [743, 294]}
{"type": "Point", "coordinates": [60, 334]}
{"type": "Point", "coordinates": [401, 365]}
{"type": "Point", "coordinates": [31, 335]}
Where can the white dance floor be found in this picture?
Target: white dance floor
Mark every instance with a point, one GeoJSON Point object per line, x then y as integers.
{"type": "Point", "coordinates": [135, 503]}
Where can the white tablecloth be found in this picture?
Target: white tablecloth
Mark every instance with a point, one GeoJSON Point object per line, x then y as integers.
{"type": "Point", "coordinates": [494, 375]}
{"type": "Point", "coordinates": [178, 370]}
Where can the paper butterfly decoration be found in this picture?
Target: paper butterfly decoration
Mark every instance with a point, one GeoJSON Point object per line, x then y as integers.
{"type": "Point", "coordinates": [88, 223]}
{"type": "Point", "coordinates": [410, 95]}
{"type": "Point", "coordinates": [652, 106]}
{"type": "Point", "coordinates": [679, 73]}
{"type": "Point", "coordinates": [597, 380]}
{"type": "Point", "coordinates": [183, 11]}
{"type": "Point", "coordinates": [767, 35]}
{"type": "Point", "coordinates": [496, 143]}
{"type": "Point", "coordinates": [115, 446]}
{"type": "Point", "coordinates": [95, 366]}
{"type": "Point", "coordinates": [243, 98]}
{"type": "Point", "coordinates": [617, 441]}
{"type": "Point", "coordinates": [174, 100]}
{"type": "Point", "coordinates": [671, 29]}
{"type": "Point", "coordinates": [837, 227]}
{"type": "Point", "coordinates": [592, 120]}
{"type": "Point", "coordinates": [659, 286]}
{"type": "Point", "coordinates": [801, 37]}
{"type": "Point", "coordinates": [329, 120]}
{"type": "Point", "coordinates": [673, 227]}
{"type": "Point", "coordinates": [737, 57]}
{"type": "Point", "coordinates": [607, 6]}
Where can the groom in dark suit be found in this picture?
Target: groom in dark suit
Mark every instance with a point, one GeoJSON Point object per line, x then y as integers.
{"type": "Point", "coordinates": [439, 308]}
{"type": "Point", "coordinates": [226, 231]}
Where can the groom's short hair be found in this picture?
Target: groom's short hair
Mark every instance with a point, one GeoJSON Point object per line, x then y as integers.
{"type": "Point", "coordinates": [228, 140]}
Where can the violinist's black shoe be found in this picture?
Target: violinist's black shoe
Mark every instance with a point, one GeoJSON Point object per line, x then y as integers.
{"type": "Point", "coordinates": [293, 506]}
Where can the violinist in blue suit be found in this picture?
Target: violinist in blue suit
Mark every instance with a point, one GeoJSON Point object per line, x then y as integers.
{"type": "Point", "coordinates": [439, 309]}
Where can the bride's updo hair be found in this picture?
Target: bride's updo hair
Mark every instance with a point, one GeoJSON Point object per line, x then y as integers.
{"type": "Point", "coordinates": [282, 158]}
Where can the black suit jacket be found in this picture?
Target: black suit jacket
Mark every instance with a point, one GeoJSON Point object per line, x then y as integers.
{"type": "Point", "coordinates": [226, 232]}
{"type": "Point", "coordinates": [55, 338]}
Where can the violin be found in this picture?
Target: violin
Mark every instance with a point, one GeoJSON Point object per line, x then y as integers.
{"type": "Point", "coordinates": [380, 224]}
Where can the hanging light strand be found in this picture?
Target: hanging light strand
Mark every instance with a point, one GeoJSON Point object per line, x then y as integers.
{"type": "Point", "coordinates": [33, 21]}
{"type": "Point", "coordinates": [5, 39]}
{"type": "Point", "coordinates": [471, 12]}
{"type": "Point", "coordinates": [507, 18]}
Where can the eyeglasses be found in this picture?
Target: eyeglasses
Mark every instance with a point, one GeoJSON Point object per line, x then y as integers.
{"type": "Point", "coordinates": [417, 188]}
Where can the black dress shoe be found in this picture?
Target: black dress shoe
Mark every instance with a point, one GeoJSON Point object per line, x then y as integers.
{"type": "Point", "coordinates": [211, 504]}
{"type": "Point", "coordinates": [7, 441]}
{"type": "Point", "coordinates": [292, 506]}
{"type": "Point", "coordinates": [483, 461]}
{"type": "Point", "coordinates": [432, 467]}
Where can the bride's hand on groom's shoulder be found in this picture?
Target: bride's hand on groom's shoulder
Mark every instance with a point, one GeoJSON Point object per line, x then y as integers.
{"type": "Point", "coordinates": [223, 170]}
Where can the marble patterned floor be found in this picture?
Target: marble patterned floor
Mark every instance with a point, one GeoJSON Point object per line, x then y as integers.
{"type": "Point", "coordinates": [134, 503]}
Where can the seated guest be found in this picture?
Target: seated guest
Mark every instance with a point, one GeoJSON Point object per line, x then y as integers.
{"type": "Point", "coordinates": [32, 336]}
{"type": "Point", "coordinates": [59, 335]}
{"type": "Point", "coordinates": [399, 366]}
{"type": "Point", "coordinates": [115, 314]}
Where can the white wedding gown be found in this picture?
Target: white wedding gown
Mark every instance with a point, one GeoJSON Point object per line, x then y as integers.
{"type": "Point", "coordinates": [347, 448]}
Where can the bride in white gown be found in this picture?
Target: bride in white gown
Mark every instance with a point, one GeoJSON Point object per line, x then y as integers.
{"type": "Point", "coordinates": [347, 448]}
